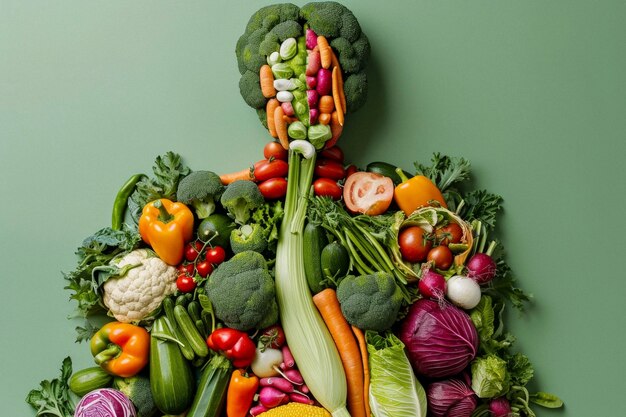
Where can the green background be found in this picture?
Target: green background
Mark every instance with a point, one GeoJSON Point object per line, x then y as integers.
{"type": "Point", "coordinates": [532, 92]}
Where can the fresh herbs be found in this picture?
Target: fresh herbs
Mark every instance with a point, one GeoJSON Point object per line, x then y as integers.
{"type": "Point", "coordinates": [53, 399]}
{"type": "Point", "coordinates": [446, 172]}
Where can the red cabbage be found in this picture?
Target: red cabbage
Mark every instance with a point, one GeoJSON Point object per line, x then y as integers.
{"type": "Point", "coordinates": [105, 402]}
{"type": "Point", "coordinates": [440, 340]}
{"type": "Point", "coordinates": [450, 398]}
{"type": "Point", "coordinates": [500, 407]}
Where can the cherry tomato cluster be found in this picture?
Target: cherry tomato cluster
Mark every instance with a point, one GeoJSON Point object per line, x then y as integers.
{"type": "Point", "coordinates": [200, 259]}
{"type": "Point", "coordinates": [416, 245]}
{"type": "Point", "coordinates": [330, 172]}
{"type": "Point", "coordinates": [270, 173]}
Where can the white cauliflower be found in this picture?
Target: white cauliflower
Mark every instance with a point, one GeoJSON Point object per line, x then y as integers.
{"type": "Point", "coordinates": [135, 295]}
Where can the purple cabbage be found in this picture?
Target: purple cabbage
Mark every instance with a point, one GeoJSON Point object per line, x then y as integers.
{"type": "Point", "coordinates": [441, 340]}
{"type": "Point", "coordinates": [450, 398]}
{"type": "Point", "coordinates": [105, 402]}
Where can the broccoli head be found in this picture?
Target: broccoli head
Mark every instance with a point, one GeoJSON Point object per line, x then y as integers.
{"type": "Point", "coordinates": [137, 389]}
{"type": "Point", "coordinates": [250, 88]}
{"type": "Point", "coordinates": [240, 198]}
{"type": "Point", "coordinates": [200, 189]}
{"type": "Point", "coordinates": [370, 302]}
{"type": "Point", "coordinates": [355, 88]}
{"type": "Point", "coordinates": [242, 292]}
{"type": "Point", "coordinates": [248, 237]}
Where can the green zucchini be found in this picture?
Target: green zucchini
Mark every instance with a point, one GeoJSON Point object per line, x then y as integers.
{"type": "Point", "coordinates": [190, 331]}
{"type": "Point", "coordinates": [211, 393]}
{"type": "Point", "coordinates": [388, 170]}
{"type": "Point", "coordinates": [185, 347]}
{"type": "Point", "coordinates": [314, 239]}
{"type": "Point", "coordinates": [89, 379]}
{"type": "Point", "coordinates": [335, 260]}
{"type": "Point", "coordinates": [171, 379]}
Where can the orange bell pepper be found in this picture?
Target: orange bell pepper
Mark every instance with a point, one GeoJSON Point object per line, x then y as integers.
{"type": "Point", "coordinates": [416, 192]}
{"type": "Point", "coordinates": [166, 226]}
{"type": "Point", "coordinates": [241, 391]}
{"type": "Point", "coordinates": [121, 349]}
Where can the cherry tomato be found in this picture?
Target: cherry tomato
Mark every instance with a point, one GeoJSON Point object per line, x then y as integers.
{"type": "Point", "coordinates": [204, 268]}
{"type": "Point", "coordinates": [215, 255]}
{"type": "Point", "coordinates": [271, 169]}
{"type": "Point", "coordinates": [414, 244]}
{"type": "Point", "coordinates": [192, 250]}
{"type": "Point", "coordinates": [351, 169]}
{"type": "Point", "coordinates": [368, 193]}
{"type": "Point", "coordinates": [273, 337]}
{"type": "Point", "coordinates": [327, 168]}
{"type": "Point", "coordinates": [185, 283]}
{"type": "Point", "coordinates": [441, 256]}
{"type": "Point", "coordinates": [450, 233]}
{"type": "Point", "coordinates": [275, 150]}
{"type": "Point", "coordinates": [327, 188]}
{"type": "Point", "coordinates": [274, 188]}
{"type": "Point", "coordinates": [185, 269]}
{"type": "Point", "coordinates": [333, 153]}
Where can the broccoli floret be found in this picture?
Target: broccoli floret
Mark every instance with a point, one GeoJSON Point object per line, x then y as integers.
{"type": "Point", "coordinates": [324, 17]}
{"type": "Point", "coordinates": [137, 389]}
{"type": "Point", "coordinates": [362, 50]}
{"type": "Point", "coordinates": [242, 292]}
{"type": "Point", "coordinates": [248, 237]}
{"type": "Point", "coordinates": [370, 302]}
{"type": "Point", "coordinates": [201, 189]}
{"type": "Point", "coordinates": [250, 88]}
{"type": "Point", "coordinates": [270, 44]}
{"type": "Point", "coordinates": [355, 89]}
{"type": "Point", "coordinates": [262, 115]}
{"type": "Point", "coordinates": [240, 198]}
{"type": "Point", "coordinates": [287, 29]}
{"type": "Point", "coordinates": [345, 53]}
{"type": "Point", "coordinates": [350, 28]}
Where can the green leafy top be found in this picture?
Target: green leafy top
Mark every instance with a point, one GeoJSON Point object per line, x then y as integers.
{"type": "Point", "coordinates": [53, 399]}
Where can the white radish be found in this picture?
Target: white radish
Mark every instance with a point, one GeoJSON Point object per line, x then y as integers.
{"type": "Point", "coordinates": [463, 292]}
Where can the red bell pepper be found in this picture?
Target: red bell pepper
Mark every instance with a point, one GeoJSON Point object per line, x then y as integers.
{"type": "Point", "coordinates": [234, 344]}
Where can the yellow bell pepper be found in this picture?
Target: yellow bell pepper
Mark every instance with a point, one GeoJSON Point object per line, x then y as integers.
{"type": "Point", "coordinates": [166, 226]}
{"type": "Point", "coordinates": [416, 192]}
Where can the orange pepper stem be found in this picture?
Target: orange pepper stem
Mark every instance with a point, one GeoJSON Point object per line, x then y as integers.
{"type": "Point", "coordinates": [106, 355]}
{"type": "Point", "coordinates": [164, 215]}
{"type": "Point", "coordinates": [401, 174]}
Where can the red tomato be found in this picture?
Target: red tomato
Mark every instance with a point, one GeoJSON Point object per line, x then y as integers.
{"type": "Point", "coordinates": [215, 255]}
{"type": "Point", "coordinates": [368, 193]}
{"type": "Point", "coordinates": [351, 169]}
{"type": "Point", "coordinates": [333, 153]}
{"type": "Point", "coordinates": [185, 283]}
{"type": "Point", "coordinates": [274, 188]}
{"type": "Point", "coordinates": [266, 170]}
{"type": "Point", "coordinates": [185, 269]}
{"type": "Point", "coordinates": [327, 168]}
{"type": "Point", "coordinates": [450, 233]}
{"type": "Point", "coordinates": [273, 337]}
{"type": "Point", "coordinates": [275, 150]}
{"type": "Point", "coordinates": [192, 251]}
{"type": "Point", "coordinates": [441, 256]}
{"type": "Point", "coordinates": [414, 244]}
{"type": "Point", "coordinates": [204, 268]}
{"type": "Point", "coordinates": [325, 187]}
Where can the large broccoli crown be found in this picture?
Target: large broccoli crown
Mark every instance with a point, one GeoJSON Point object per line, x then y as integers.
{"type": "Point", "coordinates": [201, 189]}
{"type": "Point", "coordinates": [242, 292]}
{"type": "Point", "coordinates": [240, 198]}
{"type": "Point", "coordinates": [248, 237]}
{"type": "Point", "coordinates": [370, 302]}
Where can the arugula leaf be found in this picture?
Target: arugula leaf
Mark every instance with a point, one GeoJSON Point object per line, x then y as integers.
{"type": "Point", "coordinates": [168, 170]}
{"type": "Point", "coordinates": [444, 171]}
{"type": "Point", "coordinates": [482, 205]}
{"type": "Point", "coordinates": [520, 369]}
{"type": "Point", "coordinates": [53, 399]}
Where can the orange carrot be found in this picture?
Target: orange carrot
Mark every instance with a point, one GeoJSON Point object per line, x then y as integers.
{"type": "Point", "coordinates": [336, 95]}
{"type": "Point", "coordinates": [326, 52]}
{"type": "Point", "coordinates": [335, 129]}
{"type": "Point", "coordinates": [324, 118]}
{"type": "Point", "coordinates": [244, 174]}
{"type": "Point", "coordinates": [269, 110]}
{"type": "Point", "coordinates": [328, 305]}
{"type": "Point", "coordinates": [267, 81]}
{"type": "Point", "coordinates": [360, 337]}
{"type": "Point", "coordinates": [326, 104]}
{"type": "Point", "coordinates": [281, 127]}
{"type": "Point", "coordinates": [335, 63]}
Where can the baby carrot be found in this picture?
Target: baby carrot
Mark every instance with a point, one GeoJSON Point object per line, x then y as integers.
{"type": "Point", "coordinates": [269, 110]}
{"type": "Point", "coordinates": [267, 81]}
{"type": "Point", "coordinates": [326, 52]}
{"type": "Point", "coordinates": [281, 127]}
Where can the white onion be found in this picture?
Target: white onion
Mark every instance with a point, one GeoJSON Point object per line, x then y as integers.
{"type": "Point", "coordinates": [464, 292]}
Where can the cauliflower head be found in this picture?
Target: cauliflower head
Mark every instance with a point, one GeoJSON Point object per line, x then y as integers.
{"type": "Point", "coordinates": [144, 281]}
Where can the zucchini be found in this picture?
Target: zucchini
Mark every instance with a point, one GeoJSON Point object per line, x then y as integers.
{"type": "Point", "coordinates": [313, 239]}
{"type": "Point", "coordinates": [190, 331]}
{"type": "Point", "coordinates": [388, 170]}
{"type": "Point", "coordinates": [211, 394]}
{"type": "Point", "coordinates": [89, 379]}
{"type": "Point", "coordinates": [335, 260]}
{"type": "Point", "coordinates": [185, 348]}
{"type": "Point", "coordinates": [171, 379]}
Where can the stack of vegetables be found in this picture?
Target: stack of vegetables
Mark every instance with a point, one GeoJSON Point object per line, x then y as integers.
{"type": "Point", "coordinates": [302, 285]}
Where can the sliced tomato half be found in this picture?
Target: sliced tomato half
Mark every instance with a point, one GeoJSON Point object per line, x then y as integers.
{"type": "Point", "coordinates": [368, 193]}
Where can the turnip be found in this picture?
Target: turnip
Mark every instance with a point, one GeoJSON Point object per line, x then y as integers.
{"type": "Point", "coordinates": [432, 285]}
{"type": "Point", "coordinates": [266, 362]}
{"type": "Point", "coordinates": [464, 292]}
{"type": "Point", "coordinates": [481, 268]}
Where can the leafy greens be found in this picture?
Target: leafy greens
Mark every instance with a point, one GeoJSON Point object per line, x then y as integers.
{"type": "Point", "coordinates": [53, 399]}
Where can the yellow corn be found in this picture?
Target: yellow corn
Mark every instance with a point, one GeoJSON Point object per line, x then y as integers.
{"type": "Point", "coordinates": [296, 410]}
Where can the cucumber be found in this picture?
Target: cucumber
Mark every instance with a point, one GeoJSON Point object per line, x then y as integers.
{"type": "Point", "coordinates": [216, 228]}
{"type": "Point", "coordinates": [211, 393]}
{"type": "Point", "coordinates": [171, 379]}
{"type": "Point", "coordinates": [313, 239]}
{"type": "Point", "coordinates": [89, 379]}
{"type": "Point", "coordinates": [185, 347]}
{"type": "Point", "coordinates": [190, 331]}
{"type": "Point", "coordinates": [388, 170]}
{"type": "Point", "coordinates": [335, 260]}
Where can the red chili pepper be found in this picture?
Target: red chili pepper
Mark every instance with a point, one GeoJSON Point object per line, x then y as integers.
{"type": "Point", "coordinates": [234, 344]}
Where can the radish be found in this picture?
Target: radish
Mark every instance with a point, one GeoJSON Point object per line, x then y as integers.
{"type": "Point", "coordinates": [311, 39]}
{"type": "Point", "coordinates": [278, 383]}
{"type": "Point", "coordinates": [314, 63]}
{"type": "Point", "coordinates": [432, 285]}
{"type": "Point", "coordinates": [464, 292]}
{"type": "Point", "coordinates": [288, 359]}
{"type": "Point", "coordinates": [324, 82]}
{"type": "Point", "coordinates": [287, 108]}
{"type": "Point", "coordinates": [481, 268]}
{"type": "Point", "coordinates": [258, 409]}
{"type": "Point", "coordinates": [311, 82]}
{"type": "Point", "coordinates": [300, 398]}
{"type": "Point", "coordinates": [314, 114]}
{"type": "Point", "coordinates": [266, 362]}
{"type": "Point", "coordinates": [312, 97]}
{"type": "Point", "coordinates": [500, 407]}
{"type": "Point", "coordinates": [271, 397]}
{"type": "Point", "coordinates": [294, 376]}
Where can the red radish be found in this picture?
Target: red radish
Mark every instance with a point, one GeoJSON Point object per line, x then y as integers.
{"type": "Point", "coordinates": [312, 98]}
{"type": "Point", "coordinates": [314, 63]}
{"type": "Point", "coordinates": [481, 268]}
{"type": "Point", "coordinates": [311, 39]}
{"type": "Point", "coordinates": [258, 409]}
{"type": "Point", "coordinates": [432, 285]}
{"type": "Point", "coordinates": [278, 383]}
{"type": "Point", "coordinates": [324, 82]}
{"type": "Point", "coordinates": [294, 376]}
{"type": "Point", "coordinates": [311, 82]}
{"type": "Point", "coordinates": [500, 407]}
{"type": "Point", "coordinates": [304, 389]}
{"type": "Point", "coordinates": [314, 114]}
{"type": "Point", "coordinates": [271, 397]}
{"type": "Point", "coordinates": [287, 108]}
{"type": "Point", "coordinates": [300, 398]}
{"type": "Point", "coordinates": [288, 359]}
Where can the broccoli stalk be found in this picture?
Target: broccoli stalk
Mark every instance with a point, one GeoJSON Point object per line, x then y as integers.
{"type": "Point", "coordinates": [240, 198]}
{"type": "Point", "coordinates": [200, 189]}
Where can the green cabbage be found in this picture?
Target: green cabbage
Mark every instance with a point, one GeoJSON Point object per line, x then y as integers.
{"type": "Point", "coordinates": [394, 389]}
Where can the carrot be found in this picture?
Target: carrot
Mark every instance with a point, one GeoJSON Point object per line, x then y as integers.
{"type": "Point", "coordinates": [326, 53]}
{"type": "Point", "coordinates": [336, 95]}
{"type": "Point", "coordinates": [360, 337]}
{"type": "Point", "coordinates": [328, 305]}
{"type": "Point", "coordinates": [324, 118]}
{"type": "Point", "coordinates": [269, 110]}
{"type": "Point", "coordinates": [281, 127]}
{"type": "Point", "coordinates": [267, 81]}
{"type": "Point", "coordinates": [326, 104]}
{"type": "Point", "coordinates": [335, 63]}
{"type": "Point", "coordinates": [244, 174]}
{"type": "Point", "coordinates": [335, 129]}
